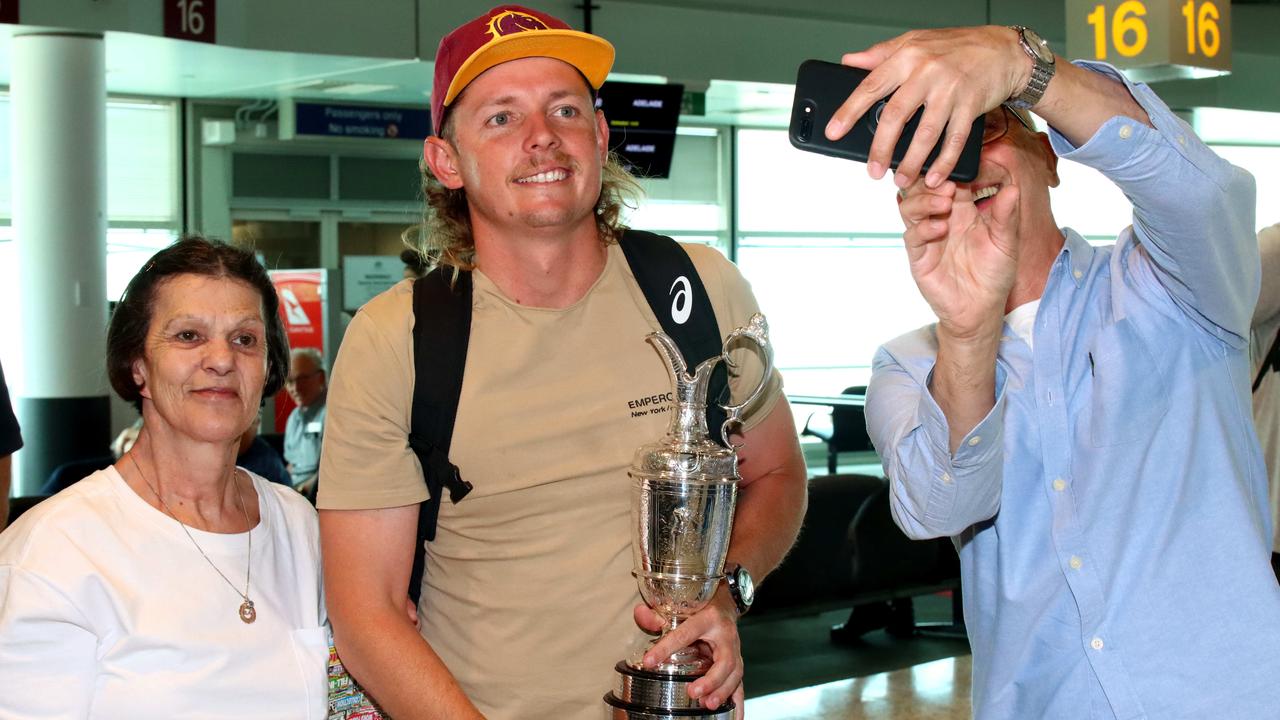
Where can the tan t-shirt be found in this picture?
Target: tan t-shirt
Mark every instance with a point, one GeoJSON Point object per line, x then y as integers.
{"type": "Point", "coordinates": [528, 593]}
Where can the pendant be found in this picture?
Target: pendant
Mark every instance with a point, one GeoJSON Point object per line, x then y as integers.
{"type": "Point", "coordinates": [247, 613]}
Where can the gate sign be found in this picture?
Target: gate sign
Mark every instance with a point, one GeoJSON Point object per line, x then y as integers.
{"type": "Point", "coordinates": [190, 20]}
{"type": "Point", "coordinates": [9, 11]}
{"type": "Point", "coordinates": [1161, 38]}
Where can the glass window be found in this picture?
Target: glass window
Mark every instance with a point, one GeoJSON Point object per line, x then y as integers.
{"type": "Point", "coordinates": [831, 302]}
{"type": "Point", "coordinates": [1087, 202]}
{"type": "Point", "coordinates": [693, 200]}
{"type": "Point", "coordinates": [142, 161]}
{"type": "Point", "coordinates": [821, 244]}
{"type": "Point", "coordinates": [781, 189]}
{"type": "Point", "coordinates": [1264, 164]}
{"type": "Point", "coordinates": [127, 250]}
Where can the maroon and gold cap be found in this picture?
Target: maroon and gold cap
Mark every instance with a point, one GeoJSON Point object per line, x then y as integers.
{"type": "Point", "coordinates": [511, 32]}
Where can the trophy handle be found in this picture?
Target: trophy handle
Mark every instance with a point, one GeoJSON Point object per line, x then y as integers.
{"type": "Point", "coordinates": [757, 331]}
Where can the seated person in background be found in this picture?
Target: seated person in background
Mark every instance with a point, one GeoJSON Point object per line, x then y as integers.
{"type": "Point", "coordinates": [1077, 420]}
{"type": "Point", "coordinates": [10, 443]}
{"type": "Point", "coordinates": [303, 431]}
{"type": "Point", "coordinates": [1264, 349]}
{"type": "Point", "coordinates": [173, 584]}
{"type": "Point", "coordinates": [259, 458]}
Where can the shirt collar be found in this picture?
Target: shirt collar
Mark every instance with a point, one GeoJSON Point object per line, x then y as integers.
{"type": "Point", "coordinates": [1079, 255]}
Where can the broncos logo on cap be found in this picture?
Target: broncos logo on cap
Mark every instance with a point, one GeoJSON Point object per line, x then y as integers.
{"type": "Point", "coordinates": [511, 21]}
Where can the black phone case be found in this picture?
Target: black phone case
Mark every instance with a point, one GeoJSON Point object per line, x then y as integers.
{"type": "Point", "coordinates": [822, 87]}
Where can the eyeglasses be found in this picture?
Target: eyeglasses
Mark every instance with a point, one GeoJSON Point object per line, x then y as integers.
{"type": "Point", "coordinates": [997, 124]}
{"type": "Point", "coordinates": [293, 379]}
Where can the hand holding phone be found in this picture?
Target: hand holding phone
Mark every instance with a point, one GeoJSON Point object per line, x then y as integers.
{"type": "Point", "coordinates": [822, 87]}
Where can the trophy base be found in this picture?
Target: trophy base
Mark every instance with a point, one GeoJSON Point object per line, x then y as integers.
{"type": "Point", "coordinates": [647, 695]}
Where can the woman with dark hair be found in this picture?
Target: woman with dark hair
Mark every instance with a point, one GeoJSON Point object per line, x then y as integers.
{"type": "Point", "coordinates": [173, 584]}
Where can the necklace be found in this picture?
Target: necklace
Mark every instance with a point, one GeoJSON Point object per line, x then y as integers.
{"type": "Point", "coordinates": [247, 613]}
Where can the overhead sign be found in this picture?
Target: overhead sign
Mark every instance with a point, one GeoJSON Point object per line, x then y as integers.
{"type": "Point", "coordinates": [1158, 39]}
{"type": "Point", "coordinates": [9, 11]}
{"type": "Point", "coordinates": [642, 124]}
{"type": "Point", "coordinates": [191, 20]}
{"type": "Point", "coordinates": [365, 121]}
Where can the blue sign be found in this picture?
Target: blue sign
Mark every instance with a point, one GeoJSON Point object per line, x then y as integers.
{"type": "Point", "coordinates": [365, 121]}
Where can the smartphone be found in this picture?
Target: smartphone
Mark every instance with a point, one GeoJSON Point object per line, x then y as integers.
{"type": "Point", "coordinates": [822, 87]}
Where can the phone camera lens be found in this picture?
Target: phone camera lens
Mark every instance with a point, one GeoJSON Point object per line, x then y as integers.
{"type": "Point", "coordinates": [805, 129]}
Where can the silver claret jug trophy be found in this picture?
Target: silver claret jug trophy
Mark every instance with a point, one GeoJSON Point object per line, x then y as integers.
{"type": "Point", "coordinates": [683, 488]}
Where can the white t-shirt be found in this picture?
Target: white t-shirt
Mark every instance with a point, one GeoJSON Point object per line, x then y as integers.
{"type": "Point", "coordinates": [1022, 321]}
{"type": "Point", "coordinates": [107, 610]}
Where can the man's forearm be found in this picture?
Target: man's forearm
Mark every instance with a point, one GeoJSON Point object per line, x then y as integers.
{"type": "Point", "coordinates": [393, 663]}
{"type": "Point", "coordinates": [773, 497]}
{"type": "Point", "coordinates": [964, 381]}
{"type": "Point", "coordinates": [376, 639]}
{"type": "Point", "coordinates": [1078, 102]}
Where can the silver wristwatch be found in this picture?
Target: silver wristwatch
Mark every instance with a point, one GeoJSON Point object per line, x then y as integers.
{"type": "Point", "coordinates": [1042, 67]}
{"type": "Point", "coordinates": [741, 587]}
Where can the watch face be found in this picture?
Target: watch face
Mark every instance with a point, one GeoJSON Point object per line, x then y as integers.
{"type": "Point", "coordinates": [746, 586]}
{"type": "Point", "coordinates": [1038, 45]}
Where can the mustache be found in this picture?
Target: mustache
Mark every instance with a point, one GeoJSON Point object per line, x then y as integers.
{"type": "Point", "coordinates": [544, 161]}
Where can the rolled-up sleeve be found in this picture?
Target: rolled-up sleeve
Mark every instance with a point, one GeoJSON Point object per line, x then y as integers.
{"type": "Point", "coordinates": [1193, 212]}
{"type": "Point", "coordinates": [933, 492]}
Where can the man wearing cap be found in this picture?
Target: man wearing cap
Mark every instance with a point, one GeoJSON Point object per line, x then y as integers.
{"type": "Point", "coordinates": [527, 597]}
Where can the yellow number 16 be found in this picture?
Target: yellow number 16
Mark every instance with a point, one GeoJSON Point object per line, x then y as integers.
{"type": "Point", "coordinates": [1126, 22]}
{"type": "Point", "coordinates": [1207, 22]}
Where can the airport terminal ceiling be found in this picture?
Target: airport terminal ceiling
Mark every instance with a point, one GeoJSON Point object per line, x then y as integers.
{"type": "Point", "coordinates": [744, 86]}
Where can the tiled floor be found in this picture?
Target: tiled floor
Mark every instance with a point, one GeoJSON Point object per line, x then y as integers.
{"type": "Point", "coordinates": [795, 652]}
{"type": "Point", "coordinates": [937, 690]}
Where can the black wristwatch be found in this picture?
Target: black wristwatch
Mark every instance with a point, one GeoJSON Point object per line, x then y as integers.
{"type": "Point", "coordinates": [741, 587]}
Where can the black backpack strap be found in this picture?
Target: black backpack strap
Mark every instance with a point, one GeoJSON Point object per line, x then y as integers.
{"type": "Point", "coordinates": [1272, 362]}
{"type": "Point", "coordinates": [441, 332]}
{"type": "Point", "coordinates": [670, 282]}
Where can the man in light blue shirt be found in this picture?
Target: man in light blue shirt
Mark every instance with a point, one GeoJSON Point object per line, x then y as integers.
{"type": "Point", "coordinates": [1078, 419]}
{"type": "Point", "coordinates": [304, 430]}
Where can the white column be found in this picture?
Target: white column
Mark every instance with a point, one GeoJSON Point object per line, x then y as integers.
{"type": "Point", "coordinates": [58, 95]}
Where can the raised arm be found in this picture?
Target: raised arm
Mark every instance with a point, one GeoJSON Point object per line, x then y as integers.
{"type": "Point", "coordinates": [378, 642]}
{"type": "Point", "coordinates": [957, 74]}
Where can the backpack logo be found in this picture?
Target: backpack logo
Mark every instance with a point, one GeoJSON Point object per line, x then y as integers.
{"type": "Point", "coordinates": [681, 300]}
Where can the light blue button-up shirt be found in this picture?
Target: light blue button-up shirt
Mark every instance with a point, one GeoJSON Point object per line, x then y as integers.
{"type": "Point", "coordinates": [1110, 510]}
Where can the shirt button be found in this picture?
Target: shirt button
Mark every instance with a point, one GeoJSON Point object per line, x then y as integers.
{"type": "Point", "coordinates": [1059, 484]}
{"type": "Point", "coordinates": [1126, 131]}
{"type": "Point", "coordinates": [1182, 139]}
{"type": "Point", "coordinates": [1096, 643]}
{"type": "Point", "coordinates": [1076, 562]}
{"type": "Point", "coordinates": [946, 478]}
{"type": "Point", "coordinates": [1078, 274]}
{"type": "Point", "coordinates": [975, 440]}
